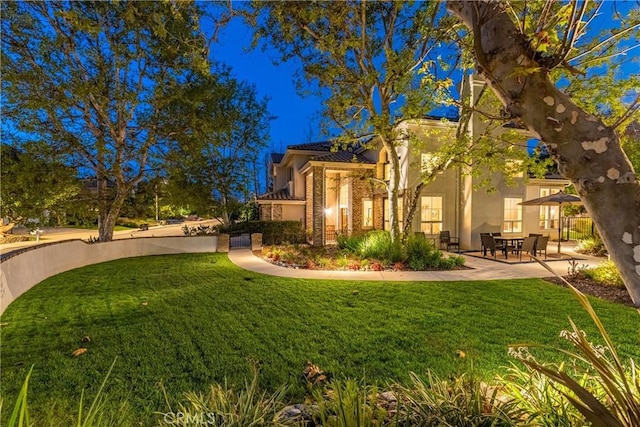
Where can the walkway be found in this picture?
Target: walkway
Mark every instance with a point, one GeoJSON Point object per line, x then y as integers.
{"type": "Point", "coordinates": [481, 269]}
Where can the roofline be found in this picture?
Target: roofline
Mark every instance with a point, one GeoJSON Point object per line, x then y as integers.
{"type": "Point", "coordinates": [281, 202]}
{"type": "Point", "coordinates": [310, 163]}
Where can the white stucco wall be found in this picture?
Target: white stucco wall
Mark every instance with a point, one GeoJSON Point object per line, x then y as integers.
{"type": "Point", "coordinates": [20, 273]}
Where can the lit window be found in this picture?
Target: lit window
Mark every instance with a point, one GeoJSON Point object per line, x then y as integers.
{"type": "Point", "coordinates": [387, 214]}
{"type": "Point", "coordinates": [367, 213]}
{"type": "Point", "coordinates": [430, 214]}
{"type": "Point", "coordinates": [387, 172]}
{"type": "Point", "coordinates": [512, 215]}
{"type": "Point", "coordinates": [549, 215]}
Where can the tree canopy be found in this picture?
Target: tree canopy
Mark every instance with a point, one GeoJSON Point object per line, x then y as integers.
{"type": "Point", "coordinates": [90, 80]}
{"type": "Point", "coordinates": [375, 64]}
{"type": "Point", "coordinates": [527, 51]}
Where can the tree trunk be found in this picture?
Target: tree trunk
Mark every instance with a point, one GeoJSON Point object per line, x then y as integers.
{"type": "Point", "coordinates": [587, 151]}
{"type": "Point", "coordinates": [108, 216]}
{"type": "Point", "coordinates": [413, 207]}
{"type": "Point", "coordinates": [392, 190]}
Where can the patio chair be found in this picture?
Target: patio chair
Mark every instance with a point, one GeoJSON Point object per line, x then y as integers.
{"type": "Point", "coordinates": [447, 241]}
{"type": "Point", "coordinates": [483, 249]}
{"type": "Point", "coordinates": [528, 245]}
{"type": "Point", "coordinates": [541, 245]}
{"type": "Point", "coordinates": [488, 242]}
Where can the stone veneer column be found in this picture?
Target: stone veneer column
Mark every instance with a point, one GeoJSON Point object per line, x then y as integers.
{"type": "Point", "coordinates": [360, 189]}
{"type": "Point", "coordinates": [378, 212]}
{"type": "Point", "coordinates": [318, 207]}
{"type": "Point", "coordinates": [223, 243]}
{"type": "Point", "coordinates": [308, 208]}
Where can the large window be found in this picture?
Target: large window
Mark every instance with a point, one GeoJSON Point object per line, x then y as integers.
{"type": "Point", "coordinates": [549, 214]}
{"type": "Point", "coordinates": [367, 213]}
{"type": "Point", "coordinates": [431, 214]}
{"type": "Point", "coordinates": [512, 215]}
{"type": "Point", "coordinates": [387, 207]}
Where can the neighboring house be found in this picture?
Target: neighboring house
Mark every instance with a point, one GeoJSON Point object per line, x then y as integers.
{"type": "Point", "coordinates": [331, 191]}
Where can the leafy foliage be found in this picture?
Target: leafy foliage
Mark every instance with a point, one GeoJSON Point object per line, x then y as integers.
{"type": "Point", "coordinates": [375, 64]}
{"type": "Point", "coordinates": [35, 182]}
{"type": "Point", "coordinates": [214, 166]}
{"type": "Point", "coordinates": [90, 80]}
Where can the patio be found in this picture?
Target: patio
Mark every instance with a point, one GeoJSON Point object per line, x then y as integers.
{"type": "Point", "coordinates": [511, 255]}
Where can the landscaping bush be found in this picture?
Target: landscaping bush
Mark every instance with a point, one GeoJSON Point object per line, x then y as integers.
{"type": "Point", "coordinates": [350, 243]}
{"type": "Point", "coordinates": [378, 245]}
{"type": "Point", "coordinates": [606, 273]}
{"type": "Point", "coordinates": [591, 246]}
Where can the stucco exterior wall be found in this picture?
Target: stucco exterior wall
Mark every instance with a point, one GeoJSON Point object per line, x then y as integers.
{"type": "Point", "coordinates": [20, 273]}
{"type": "Point", "coordinates": [293, 213]}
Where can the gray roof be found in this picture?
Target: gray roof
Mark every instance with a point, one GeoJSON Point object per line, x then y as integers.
{"type": "Point", "coordinates": [342, 157]}
{"type": "Point", "coordinates": [312, 146]}
{"type": "Point", "coordinates": [276, 157]}
{"type": "Point", "coordinates": [282, 194]}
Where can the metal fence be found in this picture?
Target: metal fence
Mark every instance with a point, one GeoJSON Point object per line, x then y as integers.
{"type": "Point", "coordinates": [576, 227]}
{"type": "Point", "coordinates": [240, 241]}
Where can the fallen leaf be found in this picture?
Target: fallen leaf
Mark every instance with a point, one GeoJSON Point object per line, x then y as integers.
{"type": "Point", "coordinates": [86, 338]}
{"type": "Point", "coordinates": [79, 351]}
{"type": "Point", "coordinates": [461, 354]}
{"type": "Point", "coordinates": [145, 303]}
{"type": "Point", "coordinates": [4, 324]}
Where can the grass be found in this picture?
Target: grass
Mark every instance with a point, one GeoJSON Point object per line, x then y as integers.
{"type": "Point", "coordinates": [182, 322]}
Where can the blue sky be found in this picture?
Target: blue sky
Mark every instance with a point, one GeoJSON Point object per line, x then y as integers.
{"type": "Point", "coordinates": [297, 118]}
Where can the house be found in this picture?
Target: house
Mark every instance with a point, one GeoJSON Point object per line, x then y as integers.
{"type": "Point", "coordinates": [332, 191]}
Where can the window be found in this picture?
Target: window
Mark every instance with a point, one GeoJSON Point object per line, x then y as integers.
{"type": "Point", "coordinates": [367, 213]}
{"type": "Point", "coordinates": [387, 207]}
{"type": "Point", "coordinates": [549, 214]}
{"type": "Point", "coordinates": [387, 172]}
{"type": "Point", "coordinates": [512, 215]}
{"type": "Point", "coordinates": [430, 214]}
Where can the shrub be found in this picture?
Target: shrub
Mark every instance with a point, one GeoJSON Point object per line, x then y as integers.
{"type": "Point", "coordinates": [421, 253]}
{"type": "Point", "coordinates": [347, 404]}
{"type": "Point", "coordinates": [378, 245]}
{"type": "Point", "coordinates": [462, 401]}
{"type": "Point", "coordinates": [606, 390]}
{"type": "Point", "coordinates": [591, 246]}
{"type": "Point", "coordinates": [606, 273]}
{"type": "Point", "coordinates": [350, 243]}
{"type": "Point", "coordinates": [222, 405]}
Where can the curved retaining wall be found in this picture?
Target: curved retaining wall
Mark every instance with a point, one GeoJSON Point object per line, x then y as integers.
{"type": "Point", "coordinates": [21, 272]}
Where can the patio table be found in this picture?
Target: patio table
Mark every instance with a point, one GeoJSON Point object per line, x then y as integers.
{"type": "Point", "coordinates": [508, 241]}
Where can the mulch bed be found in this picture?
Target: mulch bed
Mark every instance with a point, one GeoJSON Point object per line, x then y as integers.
{"type": "Point", "coordinates": [589, 287]}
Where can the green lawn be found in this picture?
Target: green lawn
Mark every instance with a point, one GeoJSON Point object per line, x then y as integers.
{"type": "Point", "coordinates": [184, 321]}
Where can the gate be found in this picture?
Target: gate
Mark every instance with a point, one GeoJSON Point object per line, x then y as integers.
{"type": "Point", "coordinates": [576, 227]}
{"type": "Point", "coordinates": [243, 241]}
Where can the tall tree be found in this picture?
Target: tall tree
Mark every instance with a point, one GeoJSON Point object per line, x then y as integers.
{"type": "Point", "coordinates": [34, 182]}
{"type": "Point", "coordinates": [373, 63]}
{"type": "Point", "coordinates": [86, 76]}
{"type": "Point", "coordinates": [518, 46]}
{"type": "Point", "coordinates": [215, 162]}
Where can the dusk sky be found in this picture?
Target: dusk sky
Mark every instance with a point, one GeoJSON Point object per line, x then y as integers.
{"type": "Point", "coordinates": [297, 118]}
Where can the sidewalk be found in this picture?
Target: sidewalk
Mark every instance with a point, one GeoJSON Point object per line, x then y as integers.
{"type": "Point", "coordinates": [56, 234]}
{"type": "Point", "coordinates": [481, 269]}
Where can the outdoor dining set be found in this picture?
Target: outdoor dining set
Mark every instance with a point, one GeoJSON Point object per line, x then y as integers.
{"type": "Point", "coordinates": [533, 245]}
